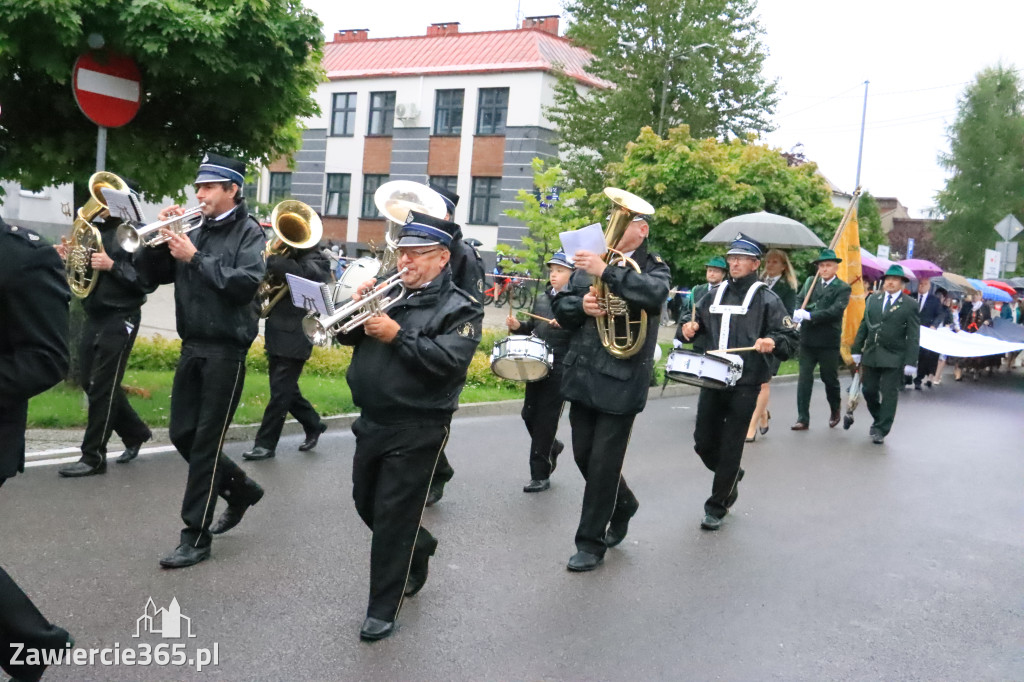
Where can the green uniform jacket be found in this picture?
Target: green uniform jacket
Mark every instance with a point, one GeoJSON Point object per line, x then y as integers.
{"type": "Point", "coordinates": [786, 294]}
{"type": "Point", "coordinates": [827, 305]}
{"type": "Point", "coordinates": [892, 339]}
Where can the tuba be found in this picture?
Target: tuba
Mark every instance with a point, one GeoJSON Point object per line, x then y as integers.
{"type": "Point", "coordinates": [296, 226]}
{"type": "Point", "coordinates": [85, 238]}
{"type": "Point", "coordinates": [395, 200]}
{"type": "Point", "coordinates": [621, 335]}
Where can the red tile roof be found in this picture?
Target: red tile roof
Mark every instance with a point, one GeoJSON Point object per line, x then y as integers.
{"type": "Point", "coordinates": [485, 52]}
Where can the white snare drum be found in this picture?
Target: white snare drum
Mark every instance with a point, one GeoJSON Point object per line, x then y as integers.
{"type": "Point", "coordinates": [713, 370]}
{"type": "Point", "coordinates": [357, 272]}
{"type": "Point", "coordinates": [521, 358]}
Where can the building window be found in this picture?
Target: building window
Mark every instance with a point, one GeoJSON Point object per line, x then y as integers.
{"type": "Point", "coordinates": [448, 112]}
{"type": "Point", "coordinates": [280, 187]}
{"type": "Point", "coordinates": [339, 187]}
{"type": "Point", "coordinates": [250, 191]}
{"type": "Point", "coordinates": [343, 114]}
{"type": "Point", "coordinates": [493, 111]}
{"type": "Point", "coordinates": [370, 185]}
{"type": "Point", "coordinates": [483, 207]}
{"type": "Point", "coordinates": [449, 182]}
{"type": "Point", "coordinates": [382, 113]}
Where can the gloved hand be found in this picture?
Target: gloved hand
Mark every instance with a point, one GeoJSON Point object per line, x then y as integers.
{"type": "Point", "coordinates": [801, 315]}
{"type": "Point", "coordinates": [856, 358]}
{"type": "Point", "coordinates": [676, 343]}
{"type": "Point", "coordinates": [909, 370]}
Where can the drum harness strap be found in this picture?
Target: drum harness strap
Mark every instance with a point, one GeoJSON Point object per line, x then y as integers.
{"type": "Point", "coordinates": [727, 311]}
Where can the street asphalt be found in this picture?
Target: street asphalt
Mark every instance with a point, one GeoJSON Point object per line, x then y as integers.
{"type": "Point", "coordinates": [841, 560]}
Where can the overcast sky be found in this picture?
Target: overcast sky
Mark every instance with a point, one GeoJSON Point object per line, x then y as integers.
{"type": "Point", "coordinates": [918, 56]}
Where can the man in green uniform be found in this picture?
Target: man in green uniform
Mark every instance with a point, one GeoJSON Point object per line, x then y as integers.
{"type": "Point", "coordinates": [887, 340]}
{"type": "Point", "coordinates": [821, 328]}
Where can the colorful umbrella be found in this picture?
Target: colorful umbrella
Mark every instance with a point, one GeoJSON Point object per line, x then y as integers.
{"type": "Point", "coordinates": [990, 293]}
{"type": "Point", "coordinates": [1001, 285]}
{"type": "Point", "coordinates": [871, 269]}
{"type": "Point", "coordinates": [961, 282]}
{"type": "Point", "coordinates": [921, 267]}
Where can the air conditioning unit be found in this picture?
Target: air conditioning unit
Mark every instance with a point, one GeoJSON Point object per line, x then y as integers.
{"type": "Point", "coordinates": [407, 112]}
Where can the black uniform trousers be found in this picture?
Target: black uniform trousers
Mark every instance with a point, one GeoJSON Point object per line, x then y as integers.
{"type": "Point", "coordinates": [927, 363]}
{"type": "Point", "coordinates": [599, 443]}
{"type": "Point", "coordinates": [285, 397]}
{"type": "Point", "coordinates": [22, 623]}
{"type": "Point", "coordinates": [106, 344]}
{"type": "Point", "coordinates": [542, 407]}
{"type": "Point", "coordinates": [881, 389]}
{"type": "Point", "coordinates": [391, 472]}
{"type": "Point", "coordinates": [203, 401]}
{"type": "Point", "coordinates": [827, 360]}
{"type": "Point", "coordinates": [722, 420]}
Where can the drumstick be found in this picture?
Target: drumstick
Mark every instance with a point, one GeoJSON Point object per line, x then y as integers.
{"type": "Point", "coordinates": [537, 317]}
{"type": "Point", "coordinates": [732, 350]}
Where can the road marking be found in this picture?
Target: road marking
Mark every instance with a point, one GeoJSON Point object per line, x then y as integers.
{"type": "Point", "coordinates": [47, 457]}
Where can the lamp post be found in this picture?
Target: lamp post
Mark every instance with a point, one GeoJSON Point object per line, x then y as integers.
{"type": "Point", "coordinates": [684, 55]}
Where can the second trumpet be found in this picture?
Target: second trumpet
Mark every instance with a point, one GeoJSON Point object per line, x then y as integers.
{"type": "Point", "coordinates": [130, 237]}
{"type": "Point", "coordinates": [320, 330]}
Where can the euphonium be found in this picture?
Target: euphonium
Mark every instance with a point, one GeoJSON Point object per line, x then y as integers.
{"type": "Point", "coordinates": [85, 238]}
{"type": "Point", "coordinates": [320, 330]}
{"type": "Point", "coordinates": [616, 329]}
{"type": "Point", "coordinates": [296, 226]}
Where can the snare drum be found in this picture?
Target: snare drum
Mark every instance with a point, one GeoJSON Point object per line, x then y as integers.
{"type": "Point", "coordinates": [714, 370]}
{"type": "Point", "coordinates": [521, 358]}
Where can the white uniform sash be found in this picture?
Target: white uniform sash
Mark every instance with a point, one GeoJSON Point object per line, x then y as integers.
{"type": "Point", "coordinates": [727, 311]}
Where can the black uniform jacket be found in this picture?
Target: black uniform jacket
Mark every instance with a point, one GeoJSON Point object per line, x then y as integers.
{"type": "Point", "coordinates": [34, 298]}
{"type": "Point", "coordinates": [467, 268]}
{"type": "Point", "coordinates": [591, 376]}
{"type": "Point", "coordinates": [118, 290]}
{"type": "Point", "coordinates": [214, 292]}
{"type": "Point", "coordinates": [420, 374]}
{"type": "Point", "coordinates": [766, 318]}
{"type": "Point", "coordinates": [283, 331]}
{"type": "Point", "coordinates": [889, 339]}
{"type": "Point", "coordinates": [972, 320]}
{"type": "Point", "coordinates": [827, 305]}
{"type": "Point", "coordinates": [933, 314]}
{"type": "Point", "coordinates": [557, 338]}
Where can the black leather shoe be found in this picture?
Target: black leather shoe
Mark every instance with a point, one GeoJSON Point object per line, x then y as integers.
{"type": "Point", "coordinates": [435, 493]}
{"type": "Point", "coordinates": [79, 469]}
{"type": "Point", "coordinates": [312, 439]}
{"type": "Point", "coordinates": [234, 513]}
{"type": "Point", "coordinates": [581, 562]}
{"type": "Point", "coordinates": [375, 628]}
{"type": "Point", "coordinates": [131, 451]}
{"type": "Point", "coordinates": [418, 570]}
{"type": "Point", "coordinates": [710, 522]}
{"type": "Point", "coordinates": [185, 555]}
{"type": "Point", "coordinates": [799, 426]}
{"type": "Point", "coordinates": [537, 486]}
{"type": "Point", "coordinates": [618, 528]}
{"type": "Point", "coordinates": [873, 431]}
{"type": "Point", "coordinates": [878, 438]}
{"type": "Point", "coordinates": [258, 453]}
{"type": "Point", "coordinates": [834, 418]}
{"type": "Point", "coordinates": [731, 500]}
{"type": "Point", "coordinates": [556, 450]}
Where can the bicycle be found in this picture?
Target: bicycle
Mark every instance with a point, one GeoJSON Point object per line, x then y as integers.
{"type": "Point", "coordinates": [498, 293]}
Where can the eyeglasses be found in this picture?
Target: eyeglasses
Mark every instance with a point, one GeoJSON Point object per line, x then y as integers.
{"type": "Point", "coordinates": [736, 258]}
{"type": "Point", "coordinates": [416, 254]}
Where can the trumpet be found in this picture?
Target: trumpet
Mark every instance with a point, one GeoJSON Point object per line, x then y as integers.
{"type": "Point", "coordinates": [130, 238]}
{"type": "Point", "coordinates": [354, 313]}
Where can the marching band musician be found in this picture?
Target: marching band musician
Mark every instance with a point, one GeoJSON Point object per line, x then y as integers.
{"type": "Point", "coordinates": [34, 300]}
{"type": "Point", "coordinates": [739, 313]}
{"type": "Point", "coordinates": [467, 274]}
{"type": "Point", "coordinates": [715, 271]}
{"type": "Point", "coordinates": [216, 271]}
{"type": "Point", "coordinates": [606, 393]}
{"type": "Point", "coordinates": [408, 369]}
{"type": "Point", "coordinates": [113, 312]}
{"type": "Point", "coordinates": [543, 403]}
{"type": "Point", "coordinates": [288, 349]}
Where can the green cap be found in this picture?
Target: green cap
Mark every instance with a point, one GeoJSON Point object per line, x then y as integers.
{"type": "Point", "coordinates": [717, 262]}
{"type": "Point", "coordinates": [895, 271]}
{"type": "Point", "coordinates": [827, 254]}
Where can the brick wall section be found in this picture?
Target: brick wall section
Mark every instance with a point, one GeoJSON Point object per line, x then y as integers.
{"type": "Point", "coordinates": [371, 230]}
{"type": "Point", "coordinates": [336, 229]}
{"type": "Point", "coordinates": [377, 155]}
{"type": "Point", "coordinates": [280, 166]}
{"type": "Point", "coordinates": [443, 158]}
{"type": "Point", "coordinates": [488, 156]}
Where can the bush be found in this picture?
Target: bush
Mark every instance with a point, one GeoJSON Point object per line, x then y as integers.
{"type": "Point", "coordinates": [155, 353]}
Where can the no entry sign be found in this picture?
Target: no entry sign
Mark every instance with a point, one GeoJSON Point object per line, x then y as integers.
{"type": "Point", "coordinates": [107, 88]}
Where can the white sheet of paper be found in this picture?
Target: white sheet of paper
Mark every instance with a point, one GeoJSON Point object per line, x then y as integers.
{"type": "Point", "coordinates": [589, 238]}
{"type": "Point", "coordinates": [120, 205]}
{"type": "Point", "coordinates": [308, 295]}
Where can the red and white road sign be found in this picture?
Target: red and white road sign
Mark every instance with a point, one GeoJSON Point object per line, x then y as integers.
{"type": "Point", "coordinates": [107, 88]}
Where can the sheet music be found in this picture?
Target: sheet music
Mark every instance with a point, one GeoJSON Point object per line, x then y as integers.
{"type": "Point", "coordinates": [122, 204]}
{"type": "Point", "coordinates": [589, 238]}
{"type": "Point", "coordinates": [314, 297]}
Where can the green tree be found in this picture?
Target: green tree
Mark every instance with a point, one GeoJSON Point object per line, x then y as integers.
{"type": "Point", "coordinates": [231, 75]}
{"type": "Point", "coordinates": [870, 221]}
{"type": "Point", "coordinates": [546, 212]}
{"type": "Point", "coordinates": [695, 184]}
{"type": "Point", "coordinates": [985, 162]}
{"type": "Point", "coordinates": [668, 62]}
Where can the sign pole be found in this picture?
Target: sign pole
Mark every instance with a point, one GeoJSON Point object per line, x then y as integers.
{"type": "Point", "coordinates": [101, 148]}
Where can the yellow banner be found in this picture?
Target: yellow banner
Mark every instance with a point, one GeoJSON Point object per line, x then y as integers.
{"type": "Point", "coordinates": [848, 248]}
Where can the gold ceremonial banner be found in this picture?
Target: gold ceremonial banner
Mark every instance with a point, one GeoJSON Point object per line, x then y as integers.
{"type": "Point", "coordinates": [848, 248]}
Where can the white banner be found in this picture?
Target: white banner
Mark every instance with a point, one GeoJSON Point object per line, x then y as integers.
{"type": "Point", "coordinates": [964, 344]}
